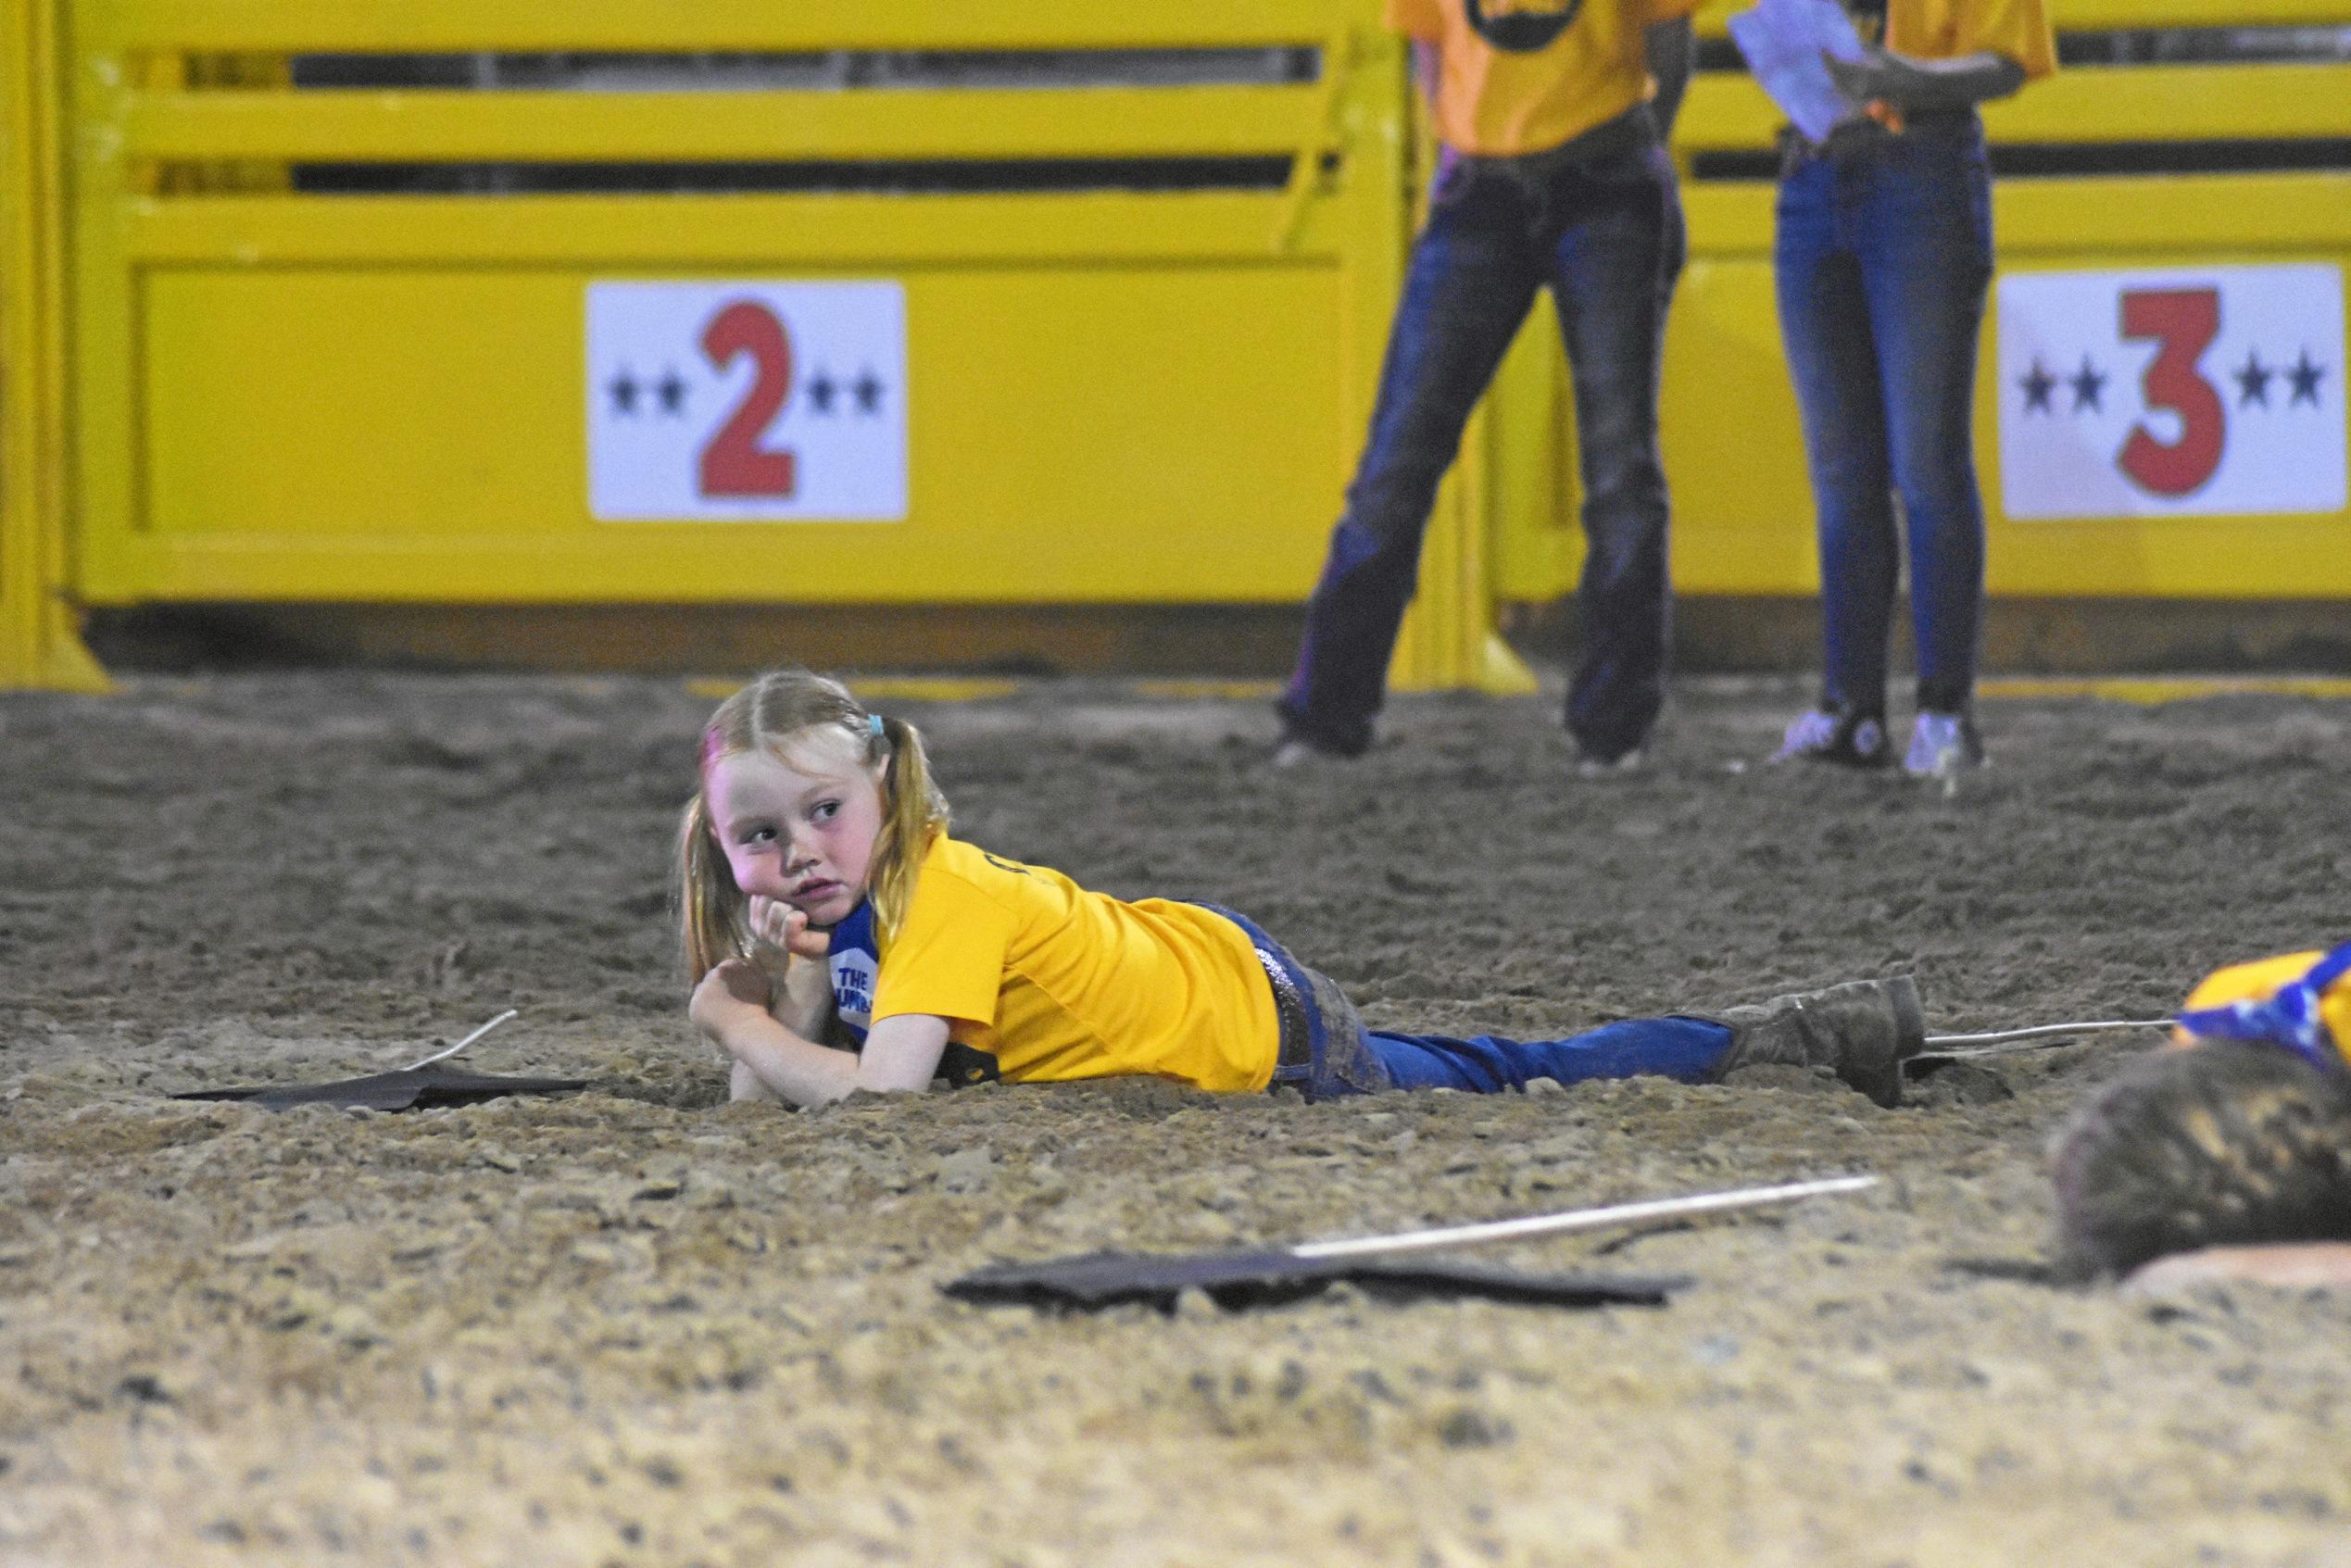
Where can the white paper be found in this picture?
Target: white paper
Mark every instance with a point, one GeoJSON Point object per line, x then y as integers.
{"type": "Point", "coordinates": [1784, 40]}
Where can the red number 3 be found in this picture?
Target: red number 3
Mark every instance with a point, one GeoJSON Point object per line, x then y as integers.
{"type": "Point", "coordinates": [733, 463]}
{"type": "Point", "coordinates": [2185, 323]}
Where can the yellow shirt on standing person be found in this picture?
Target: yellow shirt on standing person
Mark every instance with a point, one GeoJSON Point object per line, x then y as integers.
{"type": "Point", "coordinates": [1945, 29]}
{"type": "Point", "coordinates": [1494, 103]}
{"type": "Point", "coordinates": [1056, 982]}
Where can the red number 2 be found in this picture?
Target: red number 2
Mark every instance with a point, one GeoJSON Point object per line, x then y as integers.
{"type": "Point", "coordinates": [2185, 323]}
{"type": "Point", "coordinates": [733, 463]}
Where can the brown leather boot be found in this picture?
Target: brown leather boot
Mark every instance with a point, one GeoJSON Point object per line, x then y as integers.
{"type": "Point", "coordinates": [1864, 1030]}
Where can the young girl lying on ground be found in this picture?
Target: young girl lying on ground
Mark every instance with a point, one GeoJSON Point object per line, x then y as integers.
{"type": "Point", "coordinates": [2231, 1159]}
{"type": "Point", "coordinates": [821, 892]}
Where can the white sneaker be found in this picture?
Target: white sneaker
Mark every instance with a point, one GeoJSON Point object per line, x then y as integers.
{"type": "Point", "coordinates": [1296, 753]}
{"type": "Point", "coordinates": [1632, 761]}
{"type": "Point", "coordinates": [1942, 746]}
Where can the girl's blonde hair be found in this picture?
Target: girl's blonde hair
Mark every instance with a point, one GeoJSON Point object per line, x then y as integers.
{"type": "Point", "coordinates": [773, 714]}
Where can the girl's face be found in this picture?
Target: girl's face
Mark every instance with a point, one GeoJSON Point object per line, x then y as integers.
{"type": "Point", "coordinates": [800, 829]}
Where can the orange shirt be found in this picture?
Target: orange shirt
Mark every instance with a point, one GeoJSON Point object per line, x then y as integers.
{"type": "Point", "coordinates": [1495, 103]}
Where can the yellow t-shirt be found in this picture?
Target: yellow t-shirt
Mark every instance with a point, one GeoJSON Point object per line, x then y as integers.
{"type": "Point", "coordinates": [1945, 29]}
{"type": "Point", "coordinates": [2259, 980]}
{"type": "Point", "coordinates": [1495, 103]}
{"type": "Point", "coordinates": [1056, 982]}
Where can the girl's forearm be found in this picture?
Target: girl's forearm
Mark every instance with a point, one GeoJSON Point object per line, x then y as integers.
{"type": "Point", "coordinates": [786, 1064]}
{"type": "Point", "coordinates": [1954, 83]}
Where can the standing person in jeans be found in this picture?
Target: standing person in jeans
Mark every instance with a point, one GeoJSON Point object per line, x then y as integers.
{"type": "Point", "coordinates": [1884, 256]}
{"type": "Point", "coordinates": [1553, 173]}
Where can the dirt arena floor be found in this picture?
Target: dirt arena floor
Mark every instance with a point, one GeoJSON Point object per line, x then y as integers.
{"type": "Point", "coordinates": [640, 1326]}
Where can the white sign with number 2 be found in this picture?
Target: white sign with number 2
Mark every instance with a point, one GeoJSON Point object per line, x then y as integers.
{"type": "Point", "coordinates": [751, 402]}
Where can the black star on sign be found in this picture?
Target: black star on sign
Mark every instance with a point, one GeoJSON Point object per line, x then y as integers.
{"type": "Point", "coordinates": [2252, 381]}
{"type": "Point", "coordinates": [2088, 385]}
{"type": "Point", "coordinates": [2304, 373]}
{"type": "Point", "coordinates": [623, 389]}
{"type": "Point", "coordinates": [869, 394]}
{"type": "Point", "coordinates": [2037, 388]}
{"type": "Point", "coordinates": [671, 389]}
{"type": "Point", "coordinates": [821, 392]}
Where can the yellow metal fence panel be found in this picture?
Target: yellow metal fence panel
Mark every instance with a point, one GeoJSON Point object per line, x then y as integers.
{"type": "Point", "coordinates": [392, 26]}
{"type": "Point", "coordinates": [39, 645]}
{"type": "Point", "coordinates": [292, 384]}
{"type": "Point", "coordinates": [370, 384]}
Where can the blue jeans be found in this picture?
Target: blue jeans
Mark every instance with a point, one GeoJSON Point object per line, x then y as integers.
{"type": "Point", "coordinates": [1884, 256]}
{"type": "Point", "coordinates": [1689, 1049]}
{"type": "Point", "coordinates": [1597, 221]}
{"type": "Point", "coordinates": [1326, 1053]}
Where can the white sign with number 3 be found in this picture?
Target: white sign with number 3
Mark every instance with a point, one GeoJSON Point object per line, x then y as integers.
{"type": "Point", "coordinates": [2205, 391]}
{"type": "Point", "coordinates": [752, 402]}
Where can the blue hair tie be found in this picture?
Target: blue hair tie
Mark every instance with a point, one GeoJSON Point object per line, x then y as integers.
{"type": "Point", "coordinates": [874, 724]}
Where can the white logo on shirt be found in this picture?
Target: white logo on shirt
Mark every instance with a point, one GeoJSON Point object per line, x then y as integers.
{"type": "Point", "coordinates": [853, 988]}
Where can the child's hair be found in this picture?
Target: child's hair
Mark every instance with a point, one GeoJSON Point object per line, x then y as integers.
{"type": "Point", "coordinates": [775, 714]}
{"type": "Point", "coordinates": [2224, 1144]}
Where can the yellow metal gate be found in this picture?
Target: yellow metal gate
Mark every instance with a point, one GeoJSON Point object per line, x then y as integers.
{"type": "Point", "coordinates": [228, 379]}
{"type": "Point", "coordinates": [290, 377]}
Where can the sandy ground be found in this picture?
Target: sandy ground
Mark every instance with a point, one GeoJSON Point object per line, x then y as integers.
{"type": "Point", "coordinates": [638, 1325]}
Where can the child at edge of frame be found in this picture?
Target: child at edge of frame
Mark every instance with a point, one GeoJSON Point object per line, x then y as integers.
{"type": "Point", "coordinates": [2225, 1157]}
{"type": "Point", "coordinates": [822, 893]}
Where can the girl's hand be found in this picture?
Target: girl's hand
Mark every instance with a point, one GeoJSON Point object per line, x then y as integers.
{"type": "Point", "coordinates": [777, 925]}
{"type": "Point", "coordinates": [793, 958]}
{"type": "Point", "coordinates": [731, 993]}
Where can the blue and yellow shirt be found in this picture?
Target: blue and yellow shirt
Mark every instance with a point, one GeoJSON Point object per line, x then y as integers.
{"type": "Point", "coordinates": [2262, 980]}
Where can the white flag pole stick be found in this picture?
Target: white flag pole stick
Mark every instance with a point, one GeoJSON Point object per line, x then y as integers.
{"type": "Point", "coordinates": [1582, 1218]}
{"type": "Point", "coordinates": [452, 1050]}
{"type": "Point", "coordinates": [1937, 1042]}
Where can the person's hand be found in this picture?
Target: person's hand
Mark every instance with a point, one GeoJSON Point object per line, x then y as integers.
{"type": "Point", "coordinates": [731, 993]}
{"type": "Point", "coordinates": [792, 955]}
{"type": "Point", "coordinates": [776, 925]}
{"type": "Point", "coordinates": [2300, 1265]}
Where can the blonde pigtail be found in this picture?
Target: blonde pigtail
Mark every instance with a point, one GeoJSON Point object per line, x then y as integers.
{"type": "Point", "coordinates": [913, 813]}
{"type": "Point", "coordinates": [710, 908]}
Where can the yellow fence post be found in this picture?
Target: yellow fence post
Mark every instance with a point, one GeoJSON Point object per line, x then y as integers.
{"type": "Point", "coordinates": [40, 643]}
{"type": "Point", "coordinates": [276, 395]}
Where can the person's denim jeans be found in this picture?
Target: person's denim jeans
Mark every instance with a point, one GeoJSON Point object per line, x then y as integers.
{"type": "Point", "coordinates": [1689, 1049]}
{"type": "Point", "coordinates": [1597, 222]}
{"type": "Point", "coordinates": [1884, 256]}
